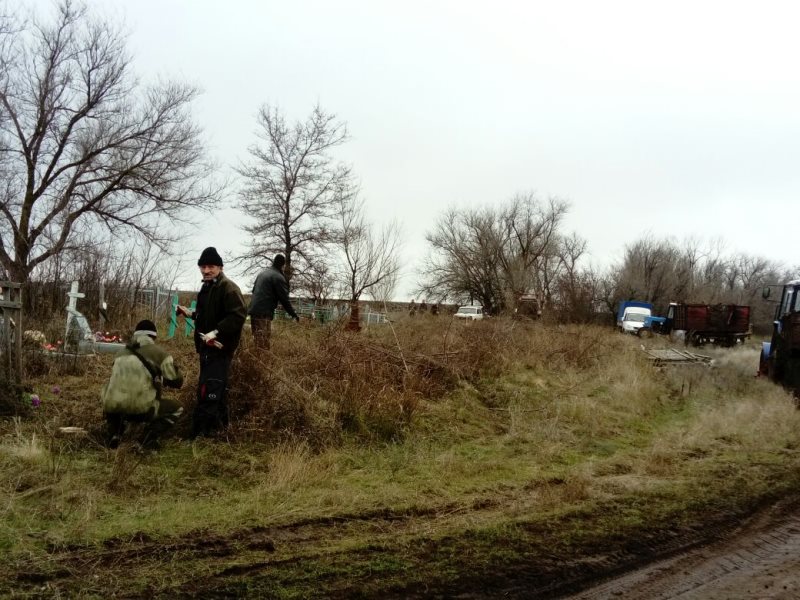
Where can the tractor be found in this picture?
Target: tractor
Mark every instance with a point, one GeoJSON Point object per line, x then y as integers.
{"type": "Point", "coordinates": [780, 357]}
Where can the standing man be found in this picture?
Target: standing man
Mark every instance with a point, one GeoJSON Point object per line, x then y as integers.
{"type": "Point", "coordinates": [269, 289]}
{"type": "Point", "coordinates": [133, 393]}
{"type": "Point", "coordinates": [218, 320]}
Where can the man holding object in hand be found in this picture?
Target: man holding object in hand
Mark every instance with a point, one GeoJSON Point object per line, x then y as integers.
{"type": "Point", "coordinates": [219, 316]}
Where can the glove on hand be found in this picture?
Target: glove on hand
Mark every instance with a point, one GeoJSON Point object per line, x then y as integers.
{"type": "Point", "coordinates": [210, 339]}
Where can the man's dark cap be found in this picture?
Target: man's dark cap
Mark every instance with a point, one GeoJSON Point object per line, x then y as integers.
{"type": "Point", "coordinates": [145, 327]}
{"type": "Point", "coordinates": [210, 256]}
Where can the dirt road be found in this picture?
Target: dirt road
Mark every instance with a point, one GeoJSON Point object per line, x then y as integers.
{"type": "Point", "coordinates": [761, 560]}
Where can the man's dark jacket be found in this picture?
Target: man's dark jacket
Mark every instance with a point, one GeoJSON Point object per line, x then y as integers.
{"type": "Point", "coordinates": [220, 306]}
{"type": "Point", "coordinates": [269, 289]}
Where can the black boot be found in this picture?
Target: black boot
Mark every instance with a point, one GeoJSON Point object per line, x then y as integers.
{"type": "Point", "coordinates": [116, 429]}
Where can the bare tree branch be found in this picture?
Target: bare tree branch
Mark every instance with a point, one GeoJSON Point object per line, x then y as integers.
{"type": "Point", "coordinates": [82, 145]}
{"type": "Point", "coordinates": [292, 187]}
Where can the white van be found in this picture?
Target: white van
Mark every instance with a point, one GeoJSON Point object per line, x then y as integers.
{"type": "Point", "coordinates": [633, 319]}
{"type": "Point", "coordinates": [469, 313]}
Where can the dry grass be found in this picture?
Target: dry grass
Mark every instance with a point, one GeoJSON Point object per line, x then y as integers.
{"type": "Point", "coordinates": [25, 447]}
{"type": "Point", "coordinates": [323, 384]}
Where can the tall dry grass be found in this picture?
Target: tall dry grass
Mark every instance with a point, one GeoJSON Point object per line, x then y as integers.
{"type": "Point", "coordinates": [322, 384]}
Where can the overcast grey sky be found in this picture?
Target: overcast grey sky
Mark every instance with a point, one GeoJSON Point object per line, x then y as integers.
{"type": "Point", "coordinates": [678, 118]}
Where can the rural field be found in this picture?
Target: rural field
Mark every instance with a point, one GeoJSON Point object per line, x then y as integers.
{"type": "Point", "coordinates": [426, 458]}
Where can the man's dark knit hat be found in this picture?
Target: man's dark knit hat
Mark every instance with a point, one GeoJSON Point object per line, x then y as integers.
{"type": "Point", "coordinates": [279, 261]}
{"type": "Point", "coordinates": [210, 256]}
{"type": "Point", "coordinates": [146, 327]}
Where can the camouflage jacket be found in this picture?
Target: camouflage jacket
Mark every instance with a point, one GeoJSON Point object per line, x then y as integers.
{"type": "Point", "coordinates": [131, 389]}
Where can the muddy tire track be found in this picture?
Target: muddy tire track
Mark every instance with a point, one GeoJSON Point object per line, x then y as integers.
{"type": "Point", "coordinates": [227, 555]}
{"type": "Point", "coordinates": [761, 561]}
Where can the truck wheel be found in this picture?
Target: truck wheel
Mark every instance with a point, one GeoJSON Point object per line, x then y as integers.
{"type": "Point", "coordinates": [791, 376]}
{"type": "Point", "coordinates": [774, 370]}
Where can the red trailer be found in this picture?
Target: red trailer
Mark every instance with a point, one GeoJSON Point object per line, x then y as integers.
{"type": "Point", "coordinates": [722, 324]}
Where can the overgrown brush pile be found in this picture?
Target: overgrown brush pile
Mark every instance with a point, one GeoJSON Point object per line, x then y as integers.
{"type": "Point", "coordinates": [323, 384]}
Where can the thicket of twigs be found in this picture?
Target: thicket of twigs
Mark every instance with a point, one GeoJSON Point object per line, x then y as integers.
{"type": "Point", "coordinates": [326, 383]}
{"type": "Point", "coordinates": [323, 384]}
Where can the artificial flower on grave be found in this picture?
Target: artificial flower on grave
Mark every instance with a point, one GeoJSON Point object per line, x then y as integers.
{"type": "Point", "coordinates": [100, 336]}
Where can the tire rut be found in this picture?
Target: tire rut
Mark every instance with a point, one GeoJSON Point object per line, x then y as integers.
{"type": "Point", "coordinates": [251, 544]}
{"type": "Point", "coordinates": [763, 561]}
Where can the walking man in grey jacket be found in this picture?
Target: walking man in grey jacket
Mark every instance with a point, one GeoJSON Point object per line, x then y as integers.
{"type": "Point", "coordinates": [269, 289]}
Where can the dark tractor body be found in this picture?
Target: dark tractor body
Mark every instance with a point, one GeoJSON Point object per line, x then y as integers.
{"type": "Point", "coordinates": [780, 357]}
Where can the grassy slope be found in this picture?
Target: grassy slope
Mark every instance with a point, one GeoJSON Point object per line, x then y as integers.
{"type": "Point", "coordinates": [562, 450]}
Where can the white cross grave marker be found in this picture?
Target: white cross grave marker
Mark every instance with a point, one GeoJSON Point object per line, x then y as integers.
{"type": "Point", "coordinates": [74, 318]}
{"type": "Point", "coordinates": [73, 297]}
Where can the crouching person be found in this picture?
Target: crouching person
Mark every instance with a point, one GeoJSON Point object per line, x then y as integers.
{"type": "Point", "coordinates": [133, 393]}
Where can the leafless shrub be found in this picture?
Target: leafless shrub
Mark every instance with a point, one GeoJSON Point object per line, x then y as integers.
{"type": "Point", "coordinates": [330, 384]}
{"type": "Point", "coordinates": [124, 271]}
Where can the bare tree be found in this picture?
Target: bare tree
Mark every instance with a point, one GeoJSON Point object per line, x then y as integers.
{"type": "Point", "coordinates": [369, 258]}
{"type": "Point", "coordinates": [530, 243]}
{"type": "Point", "coordinates": [123, 269]}
{"type": "Point", "coordinates": [384, 290]}
{"type": "Point", "coordinates": [292, 188]}
{"type": "Point", "coordinates": [464, 259]}
{"type": "Point", "coordinates": [575, 287]}
{"type": "Point", "coordinates": [319, 281]}
{"type": "Point", "coordinates": [647, 272]}
{"type": "Point", "coordinates": [712, 270]}
{"type": "Point", "coordinates": [83, 145]}
{"type": "Point", "coordinates": [496, 254]}
{"type": "Point", "coordinates": [685, 269]}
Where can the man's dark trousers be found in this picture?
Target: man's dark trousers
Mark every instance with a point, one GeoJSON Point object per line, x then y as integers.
{"type": "Point", "coordinates": [211, 410]}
